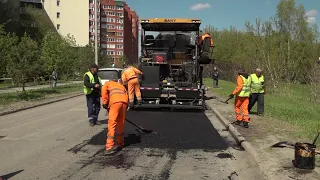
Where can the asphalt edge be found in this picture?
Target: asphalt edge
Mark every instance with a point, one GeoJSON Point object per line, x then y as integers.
{"type": "Point", "coordinates": [41, 104]}
{"type": "Point", "coordinates": [238, 138]}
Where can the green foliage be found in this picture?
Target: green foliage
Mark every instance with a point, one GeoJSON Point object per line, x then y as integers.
{"type": "Point", "coordinates": [284, 46]}
{"type": "Point", "coordinates": [283, 106]}
{"type": "Point", "coordinates": [23, 61]}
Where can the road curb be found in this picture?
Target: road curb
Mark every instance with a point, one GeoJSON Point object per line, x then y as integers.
{"type": "Point", "coordinates": [41, 104]}
{"type": "Point", "coordinates": [238, 137]}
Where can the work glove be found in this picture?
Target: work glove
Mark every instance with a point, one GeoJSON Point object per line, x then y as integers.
{"type": "Point", "coordinates": [105, 106]}
{"type": "Point", "coordinates": [231, 96]}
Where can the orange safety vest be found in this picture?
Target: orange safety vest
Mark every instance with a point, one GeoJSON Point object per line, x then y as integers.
{"type": "Point", "coordinates": [207, 35]}
{"type": "Point", "coordinates": [113, 92]}
{"type": "Point", "coordinates": [130, 73]}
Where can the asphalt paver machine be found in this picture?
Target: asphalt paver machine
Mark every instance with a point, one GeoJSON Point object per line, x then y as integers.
{"type": "Point", "coordinates": [172, 59]}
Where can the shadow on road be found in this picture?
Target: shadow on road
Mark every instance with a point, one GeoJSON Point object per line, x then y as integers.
{"type": "Point", "coordinates": [172, 132]}
{"type": "Point", "coordinates": [10, 175]}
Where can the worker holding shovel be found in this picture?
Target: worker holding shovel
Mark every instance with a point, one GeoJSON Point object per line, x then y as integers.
{"type": "Point", "coordinates": [242, 92]}
{"type": "Point", "coordinates": [115, 100]}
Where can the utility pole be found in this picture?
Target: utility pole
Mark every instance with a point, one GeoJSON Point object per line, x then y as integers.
{"type": "Point", "coordinates": [96, 30]}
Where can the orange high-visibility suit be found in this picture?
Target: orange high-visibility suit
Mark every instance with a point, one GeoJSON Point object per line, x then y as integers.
{"type": "Point", "coordinates": [115, 97]}
{"type": "Point", "coordinates": [242, 93]}
{"type": "Point", "coordinates": [130, 77]}
{"type": "Point", "coordinates": [207, 35]}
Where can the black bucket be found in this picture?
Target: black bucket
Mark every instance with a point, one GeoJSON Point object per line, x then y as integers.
{"type": "Point", "coordinates": [304, 155]}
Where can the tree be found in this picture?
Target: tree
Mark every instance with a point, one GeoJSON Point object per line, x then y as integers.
{"type": "Point", "coordinates": [23, 60]}
{"type": "Point", "coordinates": [7, 40]}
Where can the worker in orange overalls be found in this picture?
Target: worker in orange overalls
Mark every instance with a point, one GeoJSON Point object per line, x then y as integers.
{"type": "Point", "coordinates": [130, 78]}
{"type": "Point", "coordinates": [115, 100]}
{"type": "Point", "coordinates": [207, 35]}
{"type": "Point", "coordinates": [242, 92]}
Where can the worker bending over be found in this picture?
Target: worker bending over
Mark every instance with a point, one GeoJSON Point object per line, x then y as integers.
{"type": "Point", "coordinates": [115, 100]}
{"type": "Point", "coordinates": [242, 92]}
{"type": "Point", "coordinates": [257, 91]}
{"type": "Point", "coordinates": [130, 78]}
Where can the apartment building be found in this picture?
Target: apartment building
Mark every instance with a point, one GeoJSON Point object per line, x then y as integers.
{"type": "Point", "coordinates": [117, 29]}
{"type": "Point", "coordinates": [117, 25]}
{"type": "Point", "coordinates": [70, 17]}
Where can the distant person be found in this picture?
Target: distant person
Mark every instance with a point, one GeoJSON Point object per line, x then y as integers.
{"type": "Point", "coordinates": [242, 93]}
{"type": "Point", "coordinates": [54, 76]}
{"type": "Point", "coordinates": [257, 91]}
{"type": "Point", "coordinates": [215, 77]}
{"type": "Point", "coordinates": [92, 90]}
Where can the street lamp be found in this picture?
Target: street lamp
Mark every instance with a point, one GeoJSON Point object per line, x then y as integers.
{"type": "Point", "coordinates": [96, 30]}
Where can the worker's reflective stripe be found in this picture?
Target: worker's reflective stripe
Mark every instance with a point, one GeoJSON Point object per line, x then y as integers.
{"type": "Point", "coordinates": [188, 89]}
{"type": "Point", "coordinates": [148, 88]}
{"type": "Point", "coordinates": [116, 93]}
{"type": "Point", "coordinates": [113, 91]}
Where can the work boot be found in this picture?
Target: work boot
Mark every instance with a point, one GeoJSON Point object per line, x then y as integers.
{"type": "Point", "coordinates": [91, 124]}
{"type": "Point", "coordinates": [97, 123]}
{"type": "Point", "coordinates": [260, 114]}
{"type": "Point", "coordinates": [139, 102]}
{"type": "Point", "coordinates": [246, 124]}
{"type": "Point", "coordinates": [131, 104]}
{"type": "Point", "coordinates": [111, 151]}
{"type": "Point", "coordinates": [238, 122]}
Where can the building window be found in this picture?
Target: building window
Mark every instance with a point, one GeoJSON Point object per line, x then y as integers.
{"type": "Point", "coordinates": [58, 26]}
{"type": "Point", "coordinates": [119, 20]}
{"type": "Point", "coordinates": [119, 8]}
{"type": "Point", "coordinates": [119, 40]}
{"type": "Point", "coordinates": [119, 53]}
{"type": "Point", "coordinates": [112, 20]}
{"type": "Point", "coordinates": [119, 27]}
{"type": "Point", "coordinates": [110, 27]}
{"type": "Point", "coordinates": [119, 33]}
{"type": "Point", "coordinates": [110, 39]}
{"type": "Point", "coordinates": [91, 16]}
{"type": "Point", "coordinates": [110, 52]}
{"type": "Point", "coordinates": [119, 14]}
{"type": "Point", "coordinates": [108, 13]}
{"type": "Point", "coordinates": [119, 46]}
{"type": "Point", "coordinates": [58, 2]}
{"type": "Point", "coordinates": [108, 7]}
{"type": "Point", "coordinates": [111, 46]}
{"type": "Point", "coordinates": [58, 15]}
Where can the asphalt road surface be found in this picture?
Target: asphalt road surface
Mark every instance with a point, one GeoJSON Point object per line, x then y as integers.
{"type": "Point", "coordinates": [56, 142]}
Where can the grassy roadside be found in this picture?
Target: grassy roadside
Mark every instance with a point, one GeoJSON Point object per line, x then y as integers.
{"type": "Point", "coordinates": [291, 105]}
{"type": "Point", "coordinates": [38, 94]}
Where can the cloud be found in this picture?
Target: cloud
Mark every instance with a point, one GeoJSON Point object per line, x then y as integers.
{"type": "Point", "coordinates": [311, 16]}
{"type": "Point", "coordinates": [200, 6]}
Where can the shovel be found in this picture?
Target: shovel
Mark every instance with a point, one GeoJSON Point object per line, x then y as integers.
{"type": "Point", "coordinates": [283, 144]}
{"type": "Point", "coordinates": [226, 101]}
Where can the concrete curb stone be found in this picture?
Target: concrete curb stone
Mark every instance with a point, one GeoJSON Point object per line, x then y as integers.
{"type": "Point", "coordinates": [239, 138]}
{"type": "Point", "coordinates": [41, 104]}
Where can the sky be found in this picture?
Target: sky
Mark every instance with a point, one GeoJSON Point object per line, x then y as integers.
{"type": "Point", "coordinates": [218, 13]}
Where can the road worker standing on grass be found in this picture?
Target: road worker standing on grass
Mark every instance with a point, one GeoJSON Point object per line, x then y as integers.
{"type": "Point", "coordinates": [242, 92]}
{"type": "Point", "coordinates": [115, 100]}
{"type": "Point", "coordinates": [257, 91]}
{"type": "Point", "coordinates": [130, 78]}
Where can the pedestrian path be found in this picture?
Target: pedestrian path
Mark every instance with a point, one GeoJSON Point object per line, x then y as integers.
{"type": "Point", "coordinates": [17, 89]}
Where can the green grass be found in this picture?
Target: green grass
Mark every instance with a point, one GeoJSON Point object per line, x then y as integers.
{"type": "Point", "coordinates": [291, 104]}
{"type": "Point", "coordinates": [32, 95]}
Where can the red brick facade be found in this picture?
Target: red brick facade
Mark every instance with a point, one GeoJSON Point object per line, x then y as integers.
{"type": "Point", "coordinates": [118, 28]}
